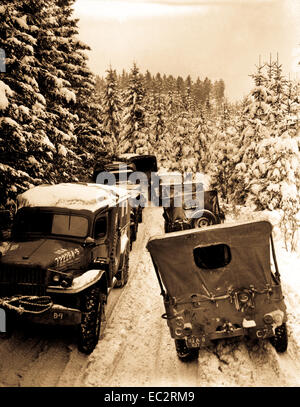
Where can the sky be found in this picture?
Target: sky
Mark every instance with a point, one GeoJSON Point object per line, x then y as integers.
{"type": "Point", "coordinates": [202, 38]}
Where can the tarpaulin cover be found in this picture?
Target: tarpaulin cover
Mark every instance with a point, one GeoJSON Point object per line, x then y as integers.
{"type": "Point", "coordinates": [249, 245]}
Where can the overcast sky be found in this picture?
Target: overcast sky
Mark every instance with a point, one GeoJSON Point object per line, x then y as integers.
{"type": "Point", "coordinates": [213, 38]}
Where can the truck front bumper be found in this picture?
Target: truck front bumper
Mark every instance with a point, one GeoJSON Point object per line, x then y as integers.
{"type": "Point", "coordinates": [56, 315]}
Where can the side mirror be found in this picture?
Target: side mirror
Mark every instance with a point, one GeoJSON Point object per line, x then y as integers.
{"type": "Point", "coordinates": [89, 242]}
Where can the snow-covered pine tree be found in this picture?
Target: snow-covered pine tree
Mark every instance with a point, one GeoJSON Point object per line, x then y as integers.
{"type": "Point", "coordinates": [256, 129]}
{"type": "Point", "coordinates": [276, 85]}
{"type": "Point", "coordinates": [57, 90]}
{"type": "Point", "coordinates": [184, 158]}
{"type": "Point", "coordinates": [25, 149]}
{"type": "Point", "coordinates": [86, 107]}
{"type": "Point", "coordinates": [111, 114]}
{"type": "Point", "coordinates": [223, 149]}
{"type": "Point", "coordinates": [164, 149]}
{"type": "Point", "coordinates": [68, 84]}
{"type": "Point", "coordinates": [275, 167]}
{"type": "Point", "coordinates": [157, 121]}
{"type": "Point", "coordinates": [203, 141]}
{"type": "Point", "coordinates": [134, 136]}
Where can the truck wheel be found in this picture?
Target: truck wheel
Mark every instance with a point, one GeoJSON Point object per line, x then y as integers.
{"type": "Point", "coordinates": [184, 353]}
{"type": "Point", "coordinates": [122, 275]}
{"type": "Point", "coordinates": [133, 233]}
{"type": "Point", "coordinates": [11, 321]}
{"type": "Point", "coordinates": [93, 317]}
{"type": "Point", "coordinates": [140, 214]}
{"type": "Point", "coordinates": [280, 340]}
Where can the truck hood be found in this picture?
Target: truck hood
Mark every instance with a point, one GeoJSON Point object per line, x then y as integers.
{"type": "Point", "coordinates": [43, 253]}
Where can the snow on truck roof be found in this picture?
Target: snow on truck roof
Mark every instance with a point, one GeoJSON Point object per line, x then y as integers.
{"type": "Point", "coordinates": [72, 196]}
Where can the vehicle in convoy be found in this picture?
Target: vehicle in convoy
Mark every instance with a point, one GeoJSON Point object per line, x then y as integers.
{"type": "Point", "coordinates": [220, 282]}
{"type": "Point", "coordinates": [121, 172]}
{"type": "Point", "coordinates": [69, 247]}
{"type": "Point", "coordinates": [5, 224]}
{"type": "Point", "coordinates": [193, 209]}
{"type": "Point", "coordinates": [143, 163]}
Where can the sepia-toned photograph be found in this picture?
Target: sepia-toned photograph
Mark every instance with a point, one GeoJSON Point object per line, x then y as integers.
{"type": "Point", "coordinates": [149, 196]}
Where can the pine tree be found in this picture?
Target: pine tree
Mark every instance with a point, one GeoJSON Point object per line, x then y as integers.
{"type": "Point", "coordinates": [111, 111]}
{"type": "Point", "coordinates": [256, 129]}
{"type": "Point", "coordinates": [203, 141]}
{"type": "Point", "coordinates": [25, 149]}
{"type": "Point", "coordinates": [134, 136]}
{"type": "Point", "coordinates": [223, 150]}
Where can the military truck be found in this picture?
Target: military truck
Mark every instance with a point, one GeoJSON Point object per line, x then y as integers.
{"type": "Point", "coordinates": [5, 224]}
{"type": "Point", "coordinates": [147, 164]}
{"type": "Point", "coordinates": [121, 172]}
{"type": "Point", "coordinates": [69, 247]}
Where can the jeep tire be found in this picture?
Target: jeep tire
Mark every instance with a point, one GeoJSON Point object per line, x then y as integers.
{"type": "Point", "coordinates": [92, 320]}
{"type": "Point", "coordinates": [184, 353]}
{"type": "Point", "coordinates": [280, 340]}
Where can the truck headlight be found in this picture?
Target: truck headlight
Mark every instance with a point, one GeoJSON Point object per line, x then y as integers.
{"type": "Point", "coordinates": [62, 279]}
{"type": "Point", "coordinates": [274, 318]}
{"type": "Point", "coordinates": [243, 297]}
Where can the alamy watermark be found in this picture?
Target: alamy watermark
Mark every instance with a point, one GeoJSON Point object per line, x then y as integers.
{"type": "Point", "coordinates": [2, 60]}
{"type": "Point", "coordinates": [170, 189]}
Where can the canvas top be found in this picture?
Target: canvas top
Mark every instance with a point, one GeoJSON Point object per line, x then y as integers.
{"type": "Point", "coordinates": [249, 251]}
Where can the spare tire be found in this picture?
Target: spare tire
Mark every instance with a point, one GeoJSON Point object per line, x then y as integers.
{"type": "Point", "coordinates": [206, 219]}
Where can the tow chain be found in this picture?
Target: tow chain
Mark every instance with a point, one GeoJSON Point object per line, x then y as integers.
{"type": "Point", "coordinates": [27, 304]}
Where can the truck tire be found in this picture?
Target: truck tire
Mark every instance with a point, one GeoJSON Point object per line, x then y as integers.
{"type": "Point", "coordinates": [122, 275]}
{"type": "Point", "coordinates": [184, 353]}
{"type": "Point", "coordinates": [92, 320]}
{"type": "Point", "coordinates": [140, 214]}
{"type": "Point", "coordinates": [11, 321]}
{"type": "Point", "coordinates": [112, 256]}
{"type": "Point", "coordinates": [280, 340]}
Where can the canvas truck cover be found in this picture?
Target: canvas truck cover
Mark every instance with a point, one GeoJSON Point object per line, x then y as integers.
{"type": "Point", "coordinates": [249, 245]}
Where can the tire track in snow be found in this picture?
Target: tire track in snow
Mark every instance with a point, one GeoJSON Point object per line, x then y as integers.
{"type": "Point", "coordinates": [123, 356]}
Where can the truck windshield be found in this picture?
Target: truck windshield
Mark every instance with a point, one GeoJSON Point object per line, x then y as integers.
{"type": "Point", "coordinates": [47, 223]}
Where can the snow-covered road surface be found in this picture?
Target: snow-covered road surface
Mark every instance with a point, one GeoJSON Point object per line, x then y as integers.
{"type": "Point", "coordinates": [137, 349]}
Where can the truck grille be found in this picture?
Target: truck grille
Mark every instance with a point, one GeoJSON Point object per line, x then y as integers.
{"type": "Point", "coordinates": [18, 280]}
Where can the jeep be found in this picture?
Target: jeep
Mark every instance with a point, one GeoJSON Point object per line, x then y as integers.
{"type": "Point", "coordinates": [220, 282]}
{"type": "Point", "coordinates": [186, 210]}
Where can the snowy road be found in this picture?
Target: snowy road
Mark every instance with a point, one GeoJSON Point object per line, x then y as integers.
{"type": "Point", "coordinates": [137, 349]}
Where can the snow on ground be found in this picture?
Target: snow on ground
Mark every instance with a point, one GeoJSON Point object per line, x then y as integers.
{"type": "Point", "coordinates": [136, 348]}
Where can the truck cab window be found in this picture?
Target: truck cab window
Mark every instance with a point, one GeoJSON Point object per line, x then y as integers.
{"type": "Point", "coordinates": [100, 228]}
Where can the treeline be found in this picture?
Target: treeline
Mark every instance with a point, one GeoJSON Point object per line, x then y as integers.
{"type": "Point", "coordinates": [149, 114]}
{"type": "Point", "coordinates": [202, 91]}
{"type": "Point", "coordinates": [249, 149]}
